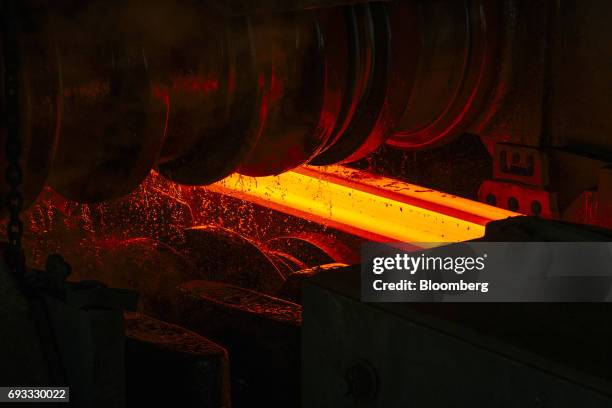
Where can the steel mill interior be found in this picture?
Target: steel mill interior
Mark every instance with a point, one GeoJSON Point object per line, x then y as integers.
{"type": "Point", "coordinates": [189, 183]}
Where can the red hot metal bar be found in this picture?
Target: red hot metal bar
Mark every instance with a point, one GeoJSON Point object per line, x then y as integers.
{"type": "Point", "coordinates": [372, 207]}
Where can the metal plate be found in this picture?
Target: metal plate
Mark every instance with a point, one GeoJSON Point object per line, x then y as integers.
{"type": "Point", "coordinates": [357, 354]}
{"type": "Point", "coordinates": [213, 249]}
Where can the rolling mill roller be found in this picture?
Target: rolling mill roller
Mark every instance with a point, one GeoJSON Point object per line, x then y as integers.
{"type": "Point", "coordinates": [109, 110]}
{"type": "Point", "coordinates": [227, 160]}
{"type": "Point", "coordinates": [384, 71]}
{"type": "Point", "coordinates": [455, 71]}
{"type": "Point", "coordinates": [303, 89]}
{"type": "Point", "coordinates": [184, 89]}
{"type": "Point", "coordinates": [211, 90]}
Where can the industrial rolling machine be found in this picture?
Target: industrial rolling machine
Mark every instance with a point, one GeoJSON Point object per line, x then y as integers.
{"type": "Point", "coordinates": [218, 157]}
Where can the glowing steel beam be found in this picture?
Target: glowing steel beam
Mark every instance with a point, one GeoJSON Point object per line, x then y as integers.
{"type": "Point", "coordinates": [375, 208]}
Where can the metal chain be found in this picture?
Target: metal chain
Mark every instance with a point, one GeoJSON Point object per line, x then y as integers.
{"type": "Point", "coordinates": [14, 175]}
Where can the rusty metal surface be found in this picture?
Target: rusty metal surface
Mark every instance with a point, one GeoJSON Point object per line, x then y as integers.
{"type": "Point", "coordinates": [167, 364]}
{"type": "Point", "coordinates": [261, 333]}
{"type": "Point", "coordinates": [292, 288]}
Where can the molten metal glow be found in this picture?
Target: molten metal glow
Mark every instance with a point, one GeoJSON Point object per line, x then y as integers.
{"type": "Point", "coordinates": [375, 208]}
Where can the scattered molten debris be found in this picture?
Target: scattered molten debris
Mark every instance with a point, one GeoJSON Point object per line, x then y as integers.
{"type": "Point", "coordinates": [371, 207]}
{"type": "Point", "coordinates": [298, 219]}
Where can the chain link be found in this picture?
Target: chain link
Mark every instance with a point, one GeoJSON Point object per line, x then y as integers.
{"type": "Point", "coordinates": [14, 175]}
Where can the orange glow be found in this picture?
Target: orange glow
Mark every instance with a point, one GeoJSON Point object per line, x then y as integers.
{"type": "Point", "coordinates": [375, 208]}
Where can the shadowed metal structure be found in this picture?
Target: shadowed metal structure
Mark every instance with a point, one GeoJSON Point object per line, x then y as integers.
{"type": "Point", "coordinates": [273, 86]}
{"type": "Point", "coordinates": [218, 156]}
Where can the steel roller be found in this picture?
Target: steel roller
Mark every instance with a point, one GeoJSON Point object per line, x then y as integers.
{"type": "Point", "coordinates": [198, 94]}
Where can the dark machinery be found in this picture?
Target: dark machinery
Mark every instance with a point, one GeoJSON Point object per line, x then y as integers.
{"type": "Point", "coordinates": [96, 94]}
{"type": "Point", "coordinates": [199, 90]}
